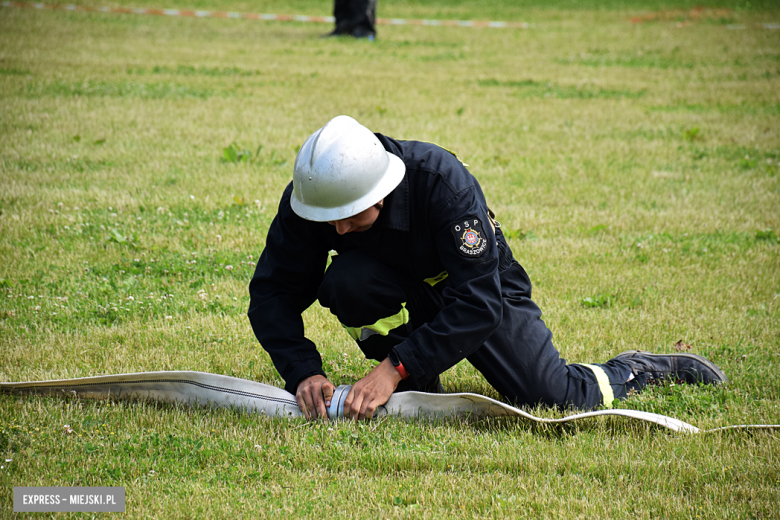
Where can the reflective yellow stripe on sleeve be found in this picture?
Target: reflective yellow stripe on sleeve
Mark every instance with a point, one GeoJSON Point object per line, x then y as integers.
{"type": "Point", "coordinates": [381, 327]}
{"type": "Point", "coordinates": [607, 395]}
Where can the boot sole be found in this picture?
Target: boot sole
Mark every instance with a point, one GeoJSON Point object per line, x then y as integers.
{"type": "Point", "coordinates": [704, 361]}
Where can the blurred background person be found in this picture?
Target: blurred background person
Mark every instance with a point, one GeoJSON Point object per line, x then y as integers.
{"type": "Point", "coordinates": [354, 18]}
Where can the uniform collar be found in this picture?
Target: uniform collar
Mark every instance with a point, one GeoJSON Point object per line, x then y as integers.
{"type": "Point", "coordinates": [395, 212]}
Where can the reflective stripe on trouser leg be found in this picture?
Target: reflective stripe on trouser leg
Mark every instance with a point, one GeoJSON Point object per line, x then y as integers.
{"type": "Point", "coordinates": [607, 395]}
{"type": "Point", "coordinates": [381, 327]}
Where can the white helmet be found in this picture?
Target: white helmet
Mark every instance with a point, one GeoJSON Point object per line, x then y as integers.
{"type": "Point", "coordinates": [341, 170]}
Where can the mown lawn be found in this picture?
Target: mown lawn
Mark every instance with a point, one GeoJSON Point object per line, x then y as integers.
{"type": "Point", "coordinates": [634, 167]}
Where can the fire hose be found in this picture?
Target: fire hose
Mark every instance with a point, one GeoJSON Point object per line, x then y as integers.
{"type": "Point", "coordinates": [205, 389]}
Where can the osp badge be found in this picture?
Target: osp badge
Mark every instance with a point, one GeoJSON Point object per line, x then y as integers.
{"type": "Point", "coordinates": [470, 237]}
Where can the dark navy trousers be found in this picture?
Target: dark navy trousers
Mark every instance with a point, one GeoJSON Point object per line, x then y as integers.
{"type": "Point", "coordinates": [519, 359]}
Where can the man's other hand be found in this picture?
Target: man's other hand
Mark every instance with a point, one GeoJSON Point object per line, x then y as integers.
{"type": "Point", "coordinates": [313, 395]}
{"type": "Point", "coordinates": [371, 391]}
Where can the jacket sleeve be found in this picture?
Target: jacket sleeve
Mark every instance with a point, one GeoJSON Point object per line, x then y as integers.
{"type": "Point", "coordinates": [472, 299]}
{"type": "Point", "coordinates": [285, 283]}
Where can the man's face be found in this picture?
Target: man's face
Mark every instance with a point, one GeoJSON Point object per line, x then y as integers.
{"type": "Point", "coordinates": [357, 223]}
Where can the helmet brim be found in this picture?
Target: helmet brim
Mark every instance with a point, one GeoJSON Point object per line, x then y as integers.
{"type": "Point", "coordinates": [389, 181]}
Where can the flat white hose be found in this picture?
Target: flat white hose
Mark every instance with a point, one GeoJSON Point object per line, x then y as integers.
{"type": "Point", "coordinates": [204, 389]}
{"type": "Point", "coordinates": [191, 388]}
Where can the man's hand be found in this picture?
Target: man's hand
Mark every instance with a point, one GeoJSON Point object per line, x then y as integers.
{"type": "Point", "coordinates": [313, 395]}
{"type": "Point", "coordinates": [371, 391]}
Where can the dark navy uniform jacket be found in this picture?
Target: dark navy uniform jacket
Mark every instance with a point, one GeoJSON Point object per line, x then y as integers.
{"type": "Point", "coordinates": [435, 221]}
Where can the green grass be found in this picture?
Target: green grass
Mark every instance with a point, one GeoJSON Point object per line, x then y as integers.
{"type": "Point", "coordinates": [633, 166]}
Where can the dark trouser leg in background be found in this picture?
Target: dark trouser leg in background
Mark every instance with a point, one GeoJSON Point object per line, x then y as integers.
{"type": "Point", "coordinates": [355, 17]}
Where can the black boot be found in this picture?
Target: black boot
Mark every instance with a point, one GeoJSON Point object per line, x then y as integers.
{"type": "Point", "coordinates": [688, 368]}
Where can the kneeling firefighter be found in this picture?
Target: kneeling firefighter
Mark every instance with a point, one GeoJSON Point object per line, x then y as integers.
{"type": "Point", "coordinates": [422, 278]}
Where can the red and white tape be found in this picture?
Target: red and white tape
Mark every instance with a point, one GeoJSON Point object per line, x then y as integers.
{"type": "Point", "coordinates": [259, 16]}
{"type": "Point", "coordinates": [315, 19]}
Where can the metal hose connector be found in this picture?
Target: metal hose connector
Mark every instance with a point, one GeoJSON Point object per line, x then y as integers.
{"type": "Point", "coordinates": [336, 408]}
